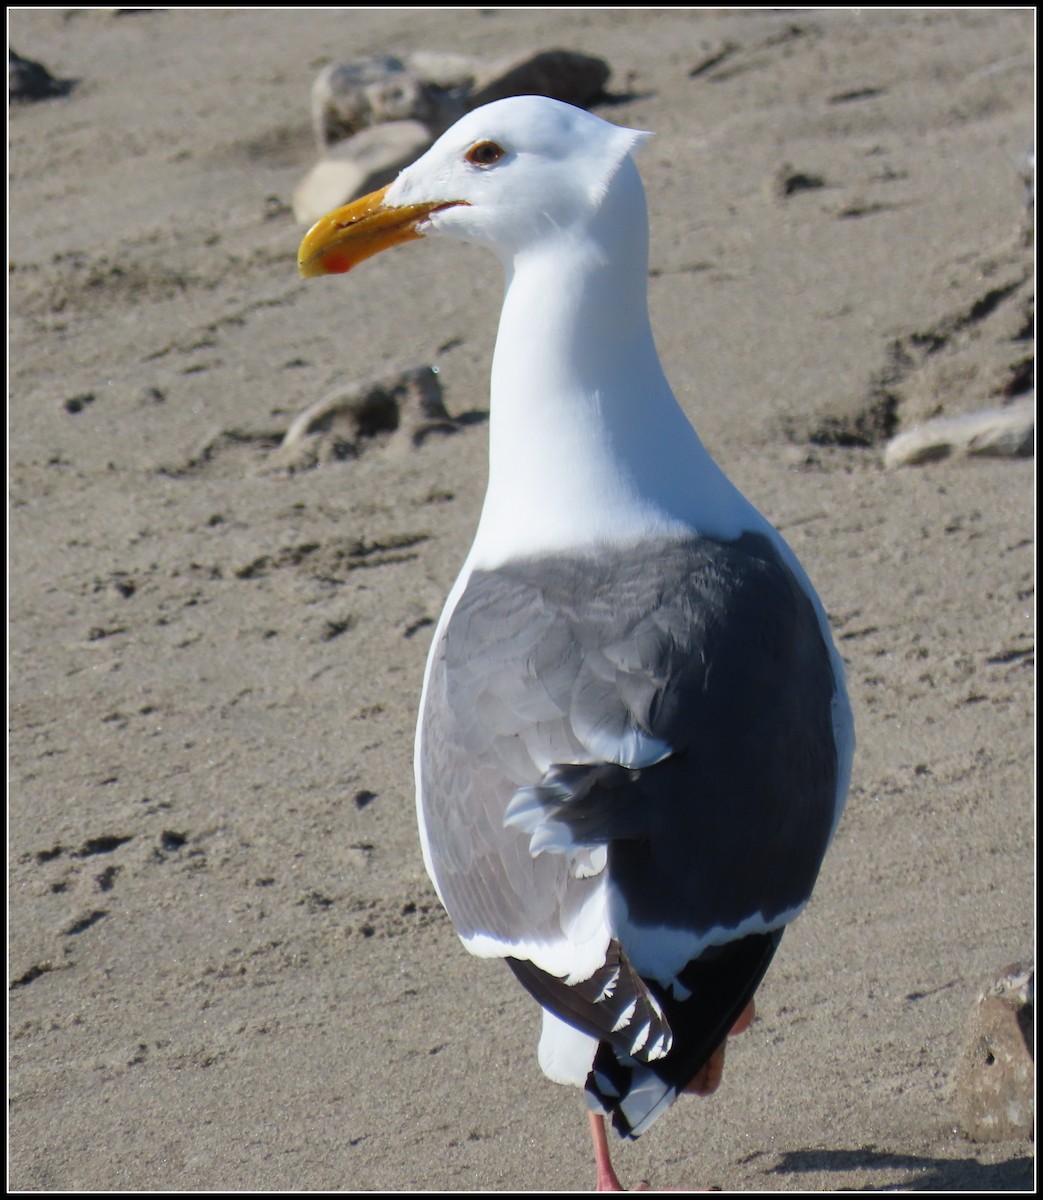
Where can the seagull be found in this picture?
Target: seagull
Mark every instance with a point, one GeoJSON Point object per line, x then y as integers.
{"type": "Point", "coordinates": [634, 740]}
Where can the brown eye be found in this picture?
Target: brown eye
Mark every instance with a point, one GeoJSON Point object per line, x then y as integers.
{"type": "Point", "coordinates": [484, 154]}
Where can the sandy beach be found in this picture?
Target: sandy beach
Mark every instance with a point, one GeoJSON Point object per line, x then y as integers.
{"type": "Point", "coordinates": [228, 970]}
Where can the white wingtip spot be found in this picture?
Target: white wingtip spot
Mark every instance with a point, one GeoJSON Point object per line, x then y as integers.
{"type": "Point", "coordinates": [659, 1048]}
{"type": "Point", "coordinates": [625, 1017]}
{"type": "Point", "coordinates": [640, 1038]}
{"type": "Point", "coordinates": [609, 988]}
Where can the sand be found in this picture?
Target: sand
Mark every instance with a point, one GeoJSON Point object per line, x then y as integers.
{"type": "Point", "coordinates": [228, 969]}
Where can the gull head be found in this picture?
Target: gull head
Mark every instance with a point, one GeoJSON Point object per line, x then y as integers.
{"type": "Point", "coordinates": [512, 175]}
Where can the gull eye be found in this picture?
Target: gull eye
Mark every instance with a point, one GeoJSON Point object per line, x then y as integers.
{"type": "Point", "coordinates": [484, 154]}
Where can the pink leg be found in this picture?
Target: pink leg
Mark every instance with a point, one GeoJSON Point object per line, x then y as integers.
{"type": "Point", "coordinates": [607, 1179]}
{"type": "Point", "coordinates": [704, 1084]}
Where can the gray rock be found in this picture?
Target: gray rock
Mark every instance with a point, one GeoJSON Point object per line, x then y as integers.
{"type": "Point", "coordinates": [28, 80]}
{"type": "Point", "coordinates": [995, 1073]}
{"type": "Point", "coordinates": [1008, 432]}
{"type": "Point", "coordinates": [438, 89]}
{"type": "Point", "coordinates": [349, 97]}
{"type": "Point", "coordinates": [351, 101]}
{"type": "Point", "coordinates": [362, 163]}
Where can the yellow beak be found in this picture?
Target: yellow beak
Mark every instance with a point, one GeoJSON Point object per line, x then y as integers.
{"type": "Point", "coordinates": [349, 235]}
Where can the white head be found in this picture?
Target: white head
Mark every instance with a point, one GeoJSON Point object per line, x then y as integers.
{"type": "Point", "coordinates": [509, 175]}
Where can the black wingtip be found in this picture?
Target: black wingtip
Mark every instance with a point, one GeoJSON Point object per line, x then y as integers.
{"type": "Point", "coordinates": [721, 983]}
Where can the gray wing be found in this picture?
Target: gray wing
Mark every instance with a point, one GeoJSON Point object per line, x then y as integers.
{"type": "Point", "coordinates": [671, 706]}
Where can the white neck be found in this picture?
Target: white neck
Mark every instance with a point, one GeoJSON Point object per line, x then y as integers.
{"type": "Point", "coordinates": [587, 445]}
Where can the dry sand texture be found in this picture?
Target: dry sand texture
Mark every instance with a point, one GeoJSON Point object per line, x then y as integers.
{"type": "Point", "coordinates": [228, 970]}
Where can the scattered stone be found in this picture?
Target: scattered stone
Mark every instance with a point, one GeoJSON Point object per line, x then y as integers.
{"type": "Point", "coordinates": [361, 163]}
{"type": "Point", "coordinates": [401, 410]}
{"type": "Point", "coordinates": [995, 1074]}
{"type": "Point", "coordinates": [28, 80]}
{"type": "Point", "coordinates": [374, 115]}
{"type": "Point", "coordinates": [1008, 432]}
{"type": "Point", "coordinates": [349, 97]}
